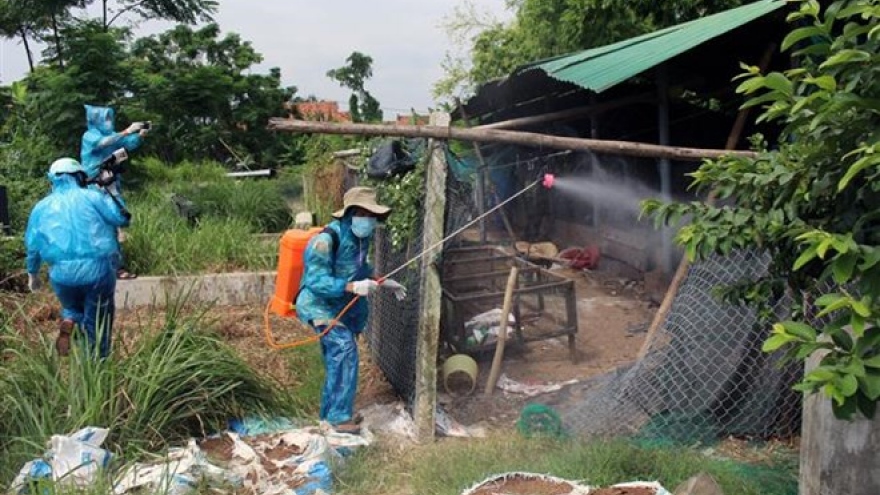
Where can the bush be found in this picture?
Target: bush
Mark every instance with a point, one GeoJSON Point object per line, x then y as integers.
{"type": "Point", "coordinates": [12, 263]}
{"type": "Point", "coordinates": [258, 203]}
{"type": "Point", "coordinates": [179, 382]}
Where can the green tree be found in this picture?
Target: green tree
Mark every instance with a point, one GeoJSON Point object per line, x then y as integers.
{"type": "Point", "coordinates": [813, 203]}
{"type": "Point", "coordinates": [95, 73]}
{"type": "Point", "coordinates": [200, 90]}
{"type": "Point", "coordinates": [18, 20]}
{"type": "Point", "coordinates": [182, 11]}
{"type": "Point", "coordinates": [354, 75]}
{"type": "Point", "coordinates": [546, 28]}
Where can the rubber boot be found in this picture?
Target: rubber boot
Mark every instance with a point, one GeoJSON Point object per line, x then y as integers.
{"type": "Point", "coordinates": [62, 343]}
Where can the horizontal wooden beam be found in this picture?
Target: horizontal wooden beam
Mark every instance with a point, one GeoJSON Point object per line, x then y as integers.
{"type": "Point", "coordinates": [624, 148]}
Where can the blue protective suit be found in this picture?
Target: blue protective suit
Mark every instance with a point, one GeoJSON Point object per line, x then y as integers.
{"type": "Point", "coordinates": [321, 298]}
{"type": "Point", "coordinates": [101, 140]}
{"type": "Point", "coordinates": [73, 230]}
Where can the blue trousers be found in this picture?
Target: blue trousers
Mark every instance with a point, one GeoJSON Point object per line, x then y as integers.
{"type": "Point", "coordinates": [340, 352]}
{"type": "Point", "coordinates": [92, 307]}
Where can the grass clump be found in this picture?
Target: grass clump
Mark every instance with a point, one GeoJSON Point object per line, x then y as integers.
{"type": "Point", "coordinates": [178, 382]}
{"type": "Point", "coordinates": [159, 242]}
{"type": "Point", "coordinates": [450, 466]}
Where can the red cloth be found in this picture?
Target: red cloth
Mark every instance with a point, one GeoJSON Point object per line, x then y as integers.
{"type": "Point", "coordinates": [582, 258]}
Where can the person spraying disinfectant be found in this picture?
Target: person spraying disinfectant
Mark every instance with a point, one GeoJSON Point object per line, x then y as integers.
{"type": "Point", "coordinates": [337, 271]}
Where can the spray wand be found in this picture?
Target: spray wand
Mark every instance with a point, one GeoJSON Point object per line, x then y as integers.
{"type": "Point", "coordinates": [545, 180]}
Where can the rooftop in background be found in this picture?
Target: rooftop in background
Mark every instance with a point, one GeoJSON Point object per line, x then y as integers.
{"type": "Point", "coordinates": [318, 110]}
{"type": "Point", "coordinates": [701, 55]}
{"type": "Point", "coordinates": [411, 119]}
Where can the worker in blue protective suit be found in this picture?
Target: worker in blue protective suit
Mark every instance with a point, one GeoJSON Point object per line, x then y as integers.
{"type": "Point", "coordinates": [100, 141]}
{"type": "Point", "coordinates": [73, 230]}
{"type": "Point", "coordinates": [336, 271]}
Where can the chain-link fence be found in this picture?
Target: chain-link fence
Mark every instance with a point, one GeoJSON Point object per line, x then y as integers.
{"type": "Point", "coordinates": [704, 376]}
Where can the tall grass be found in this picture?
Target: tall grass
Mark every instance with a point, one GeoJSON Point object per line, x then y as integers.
{"type": "Point", "coordinates": [159, 242]}
{"type": "Point", "coordinates": [259, 203]}
{"type": "Point", "coordinates": [448, 467]}
{"type": "Point", "coordinates": [150, 172]}
{"type": "Point", "coordinates": [174, 383]}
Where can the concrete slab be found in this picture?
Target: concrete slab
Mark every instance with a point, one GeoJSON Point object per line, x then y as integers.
{"type": "Point", "coordinates": [222, 288]}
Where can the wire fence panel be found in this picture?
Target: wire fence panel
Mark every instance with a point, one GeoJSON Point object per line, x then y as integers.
{"type": "Point", "coordinates": [704, 376]}
{"type": "Point", "coordinates": [393, 326]}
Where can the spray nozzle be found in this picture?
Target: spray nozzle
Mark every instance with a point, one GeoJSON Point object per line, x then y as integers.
{"type": "Point", "coordinates": [548, 180]}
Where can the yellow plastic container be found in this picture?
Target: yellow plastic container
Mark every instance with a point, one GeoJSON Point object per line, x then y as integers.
{"type": "Point", "coordinates": [460, 374]}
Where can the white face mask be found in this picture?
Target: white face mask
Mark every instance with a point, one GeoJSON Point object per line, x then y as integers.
{"type": "Point", "coordinates": [363, 227]}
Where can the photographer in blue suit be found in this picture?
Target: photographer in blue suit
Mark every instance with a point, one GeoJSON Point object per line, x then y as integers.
{"type": "Point", "coordinates": [73, 230]}
{"type": "Point", "coordinates": [100, 141]}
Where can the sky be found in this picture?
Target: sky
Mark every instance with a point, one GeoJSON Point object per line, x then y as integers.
{"type": "Point", "coordinates": [305, 39]}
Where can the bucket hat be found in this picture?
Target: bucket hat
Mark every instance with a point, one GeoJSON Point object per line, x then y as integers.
{"type": "Point", "coordinates": [363, 197]}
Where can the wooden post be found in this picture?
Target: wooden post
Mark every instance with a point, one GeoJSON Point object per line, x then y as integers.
{"type": "Point", "coordinates": [663, 166]}
{"type": "Point", "coordinates": [593, 109]}
{"type": "Point", "coordinates": [430, 304]}
{"type": "Point", "coordinates": [502, 331]}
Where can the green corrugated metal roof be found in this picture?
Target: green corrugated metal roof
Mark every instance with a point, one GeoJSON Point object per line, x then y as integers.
{"type": "Point", "coordinates": [598, 69]}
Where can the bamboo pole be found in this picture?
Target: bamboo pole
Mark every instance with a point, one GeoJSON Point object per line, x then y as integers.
{"type": "Point", "coordinates": [502, 331]}
{"type": "Point", "coordinates": [625, 148]}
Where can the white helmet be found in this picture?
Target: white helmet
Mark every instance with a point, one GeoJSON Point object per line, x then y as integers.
{"type": "Point", "coordinates": [65, 166]}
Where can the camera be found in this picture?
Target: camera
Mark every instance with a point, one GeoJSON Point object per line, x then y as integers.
{"type": "Point", "coordinates": [146, 126]}
{"type": "Point", "coordinates": [109, 168]}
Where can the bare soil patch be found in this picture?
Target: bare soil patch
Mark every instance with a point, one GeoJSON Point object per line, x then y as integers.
{"type": "Point", "coordinates": [521, 485]}
{"type": "Point", "coordinates": [624, 491]}
{"type": "Point", "coordinates": [614, 312]}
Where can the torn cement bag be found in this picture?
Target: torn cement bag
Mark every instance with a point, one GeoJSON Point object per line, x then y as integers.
{"type": "Point", "coordinates": [483, 328]}
{"type": "Point", "coordinates": [72, 460]}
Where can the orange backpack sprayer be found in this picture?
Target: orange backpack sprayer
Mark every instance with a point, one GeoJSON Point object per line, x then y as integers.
{"type": "Point", "coordinates": [291, 265]}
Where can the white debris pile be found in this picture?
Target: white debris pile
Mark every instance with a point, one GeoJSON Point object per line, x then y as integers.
{"type": "Point", "coordinates": [294, 461]}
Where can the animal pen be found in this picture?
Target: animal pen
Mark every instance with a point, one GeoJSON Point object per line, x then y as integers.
{"type": "Point", "coordinates": [701, 374]}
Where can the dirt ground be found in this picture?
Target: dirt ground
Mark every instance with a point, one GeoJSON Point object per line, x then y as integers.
{"type": "Point", "coordinates": [614, 313]}
{"type": "Point", "coordinates": [613, 316]}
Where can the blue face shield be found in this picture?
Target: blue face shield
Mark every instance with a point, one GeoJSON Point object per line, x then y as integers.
{"type": "Point", "coordinates": [363, 227]}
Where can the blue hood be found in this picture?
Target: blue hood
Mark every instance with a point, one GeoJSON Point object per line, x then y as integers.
{"type": "Point", "coordinates": [101, 119]}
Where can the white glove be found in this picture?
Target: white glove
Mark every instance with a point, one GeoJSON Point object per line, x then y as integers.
{"type": "Point", "coordinates": [364, 287]}
{"type": "Point", "coordinates": [398, 289]}
{"type": "Point", "coordinates": [34, 282]}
